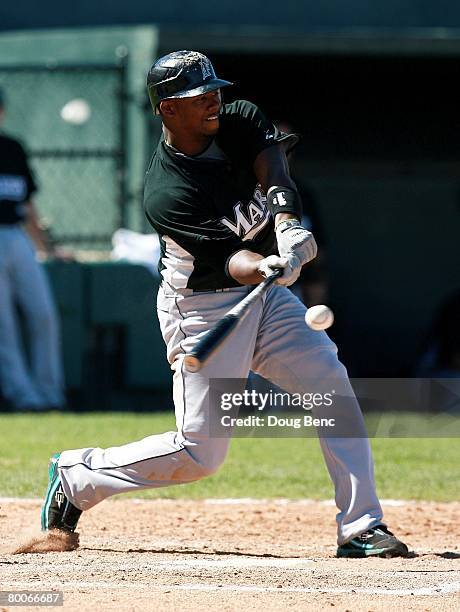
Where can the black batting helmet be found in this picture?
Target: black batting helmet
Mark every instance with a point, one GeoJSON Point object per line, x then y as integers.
{"type": "Point", "coordinates": [181, 74]}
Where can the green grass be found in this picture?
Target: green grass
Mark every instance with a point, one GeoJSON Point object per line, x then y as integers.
{"type": "Point", "coordinates": [406, 468]}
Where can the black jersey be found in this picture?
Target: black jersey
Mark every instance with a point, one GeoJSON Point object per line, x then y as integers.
{"type": "Point", "coordinates": [16, 181]}
{"type": "Point", "coordinates": [208, 207]}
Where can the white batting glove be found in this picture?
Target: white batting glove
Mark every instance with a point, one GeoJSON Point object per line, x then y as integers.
{"type": "Point", "coordinates": [290, 265]}
{"type": "Point", "coordinates": [292, 238]}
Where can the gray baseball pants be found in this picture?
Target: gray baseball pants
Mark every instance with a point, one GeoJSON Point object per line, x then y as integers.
{"type": "Point", "coordinates": [273, 341]}
{"type": "Point", "coordinates": [23, 282]}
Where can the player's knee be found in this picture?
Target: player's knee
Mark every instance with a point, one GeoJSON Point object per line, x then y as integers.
{"type": "Point", "coordinates": [206, 459]}
{"type": "Point", "coordinates": [210, 466]}
{"type": "Point", "coordinates": [194, 470]}
{"type": "Point", "coordinates": [327, 363]}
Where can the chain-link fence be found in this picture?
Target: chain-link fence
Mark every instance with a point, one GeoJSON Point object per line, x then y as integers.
{"type": "Point", "coordinates": [72, 122]}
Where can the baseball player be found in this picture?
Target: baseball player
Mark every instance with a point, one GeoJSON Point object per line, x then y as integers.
{"type": "Point", "coordinates": [219, 194]}
{"type": "Point", "coordinates": [23, 282]}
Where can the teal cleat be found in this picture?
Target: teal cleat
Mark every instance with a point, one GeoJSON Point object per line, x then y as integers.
{"type": "Point", "coordinates": [57, 511]}
{"type": "Point", "coordinates": [375, 542]}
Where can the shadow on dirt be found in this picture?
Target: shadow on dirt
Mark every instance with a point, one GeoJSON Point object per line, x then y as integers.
{"type": "Point", "coordinates": [189, 551]}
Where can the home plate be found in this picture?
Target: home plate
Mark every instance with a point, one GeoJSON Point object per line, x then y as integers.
{"type": "Point", "coordinates": [237, 562]}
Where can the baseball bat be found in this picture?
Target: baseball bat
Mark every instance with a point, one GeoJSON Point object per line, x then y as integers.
{"type": "Point", "coordinates": [217, 334]}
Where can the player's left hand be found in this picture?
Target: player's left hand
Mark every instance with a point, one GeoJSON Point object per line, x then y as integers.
{"type": "Point", "coordinates": [293, 239]}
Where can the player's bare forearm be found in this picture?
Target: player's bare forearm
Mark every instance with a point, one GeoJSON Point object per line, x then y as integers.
{"type": "Point", "coordinates": [249, 268]}
{"type": "Point", "coordinates": [271, 168]}
{"type": "Point", "coordinates": [244, 267]}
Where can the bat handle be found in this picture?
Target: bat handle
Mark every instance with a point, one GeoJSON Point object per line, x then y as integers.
{"type": "Point", "coordinates": [215, 336]}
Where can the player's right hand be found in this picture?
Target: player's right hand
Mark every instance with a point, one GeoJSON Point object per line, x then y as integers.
{"type": "Point", "coordinates": [290, 265]}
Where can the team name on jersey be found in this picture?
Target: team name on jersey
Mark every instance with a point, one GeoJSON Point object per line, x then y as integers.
{"type": "Point", "coordinates": [247, 224]}
{"type": "Point", "coordinates": [12, 188]}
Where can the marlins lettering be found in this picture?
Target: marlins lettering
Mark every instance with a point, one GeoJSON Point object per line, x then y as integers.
{"type": "Point", "coordinates": [248, 225]}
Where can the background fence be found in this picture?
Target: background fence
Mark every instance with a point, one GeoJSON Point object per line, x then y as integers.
{"type": "Point", "coordinates": [79, 162]}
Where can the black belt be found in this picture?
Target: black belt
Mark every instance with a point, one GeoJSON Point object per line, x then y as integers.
{"type": "Point", "coordinates": [213, 290]}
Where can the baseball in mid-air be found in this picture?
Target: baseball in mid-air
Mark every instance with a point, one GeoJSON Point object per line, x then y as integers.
{"type": "Point", "coordinates": [76, 111]}
{"type": "Point", "coordinates": [319, 317]}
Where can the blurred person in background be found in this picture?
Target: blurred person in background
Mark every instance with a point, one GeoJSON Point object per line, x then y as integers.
{"type": "Point", "coordinates": [37, 386]}
{"type": "Point", "coordinates": [439, 356]}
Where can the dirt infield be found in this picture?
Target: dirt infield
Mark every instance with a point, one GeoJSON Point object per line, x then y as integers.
{"type": "Point", "coordinates": [233, 555]}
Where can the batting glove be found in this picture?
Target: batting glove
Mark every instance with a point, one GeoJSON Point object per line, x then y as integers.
{"type": "Point", "coordinates": [292, 238]}
{"type": "Point", "coordinates": [290, 265]}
